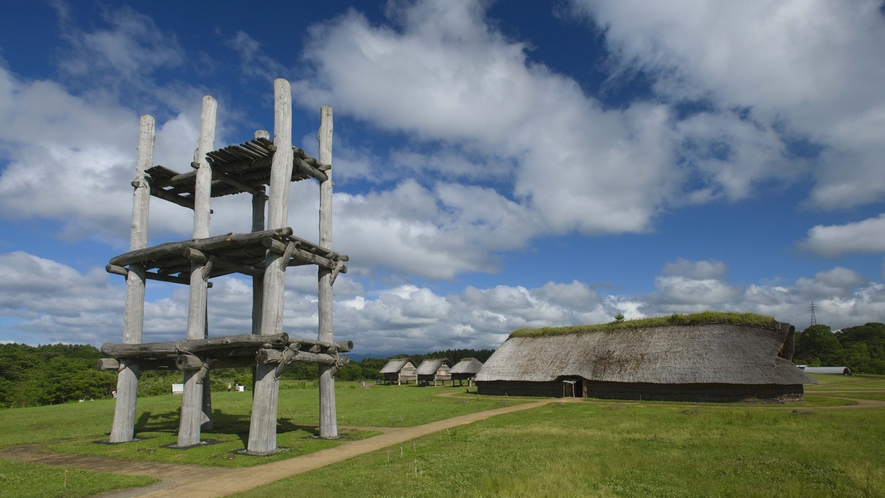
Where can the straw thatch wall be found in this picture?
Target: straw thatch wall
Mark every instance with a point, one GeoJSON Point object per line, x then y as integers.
{"type": "Point", "coordinates": [712, 362]}
{"type": "Point", "coordinates": [399, 370]}
{"type": "Point", "coordinates": [434, 370]}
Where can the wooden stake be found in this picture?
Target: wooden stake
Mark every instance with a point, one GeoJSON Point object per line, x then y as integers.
{"type": "Point", "coordinates": [192, 399]}
{"type": "Point", "coordinates": [123, 428]}
{"type": "Point", "coordinates": [263, 426]}
{"type": "Point", "coordinates": [328, 422]}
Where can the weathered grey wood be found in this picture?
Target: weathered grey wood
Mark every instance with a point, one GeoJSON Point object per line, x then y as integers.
{"type": "Point", "coordinates": [310, 170]}
{"type": "Point", "coordinates": [170, 197]}
{"type": "Point", "coordinates": [262, 134]}
{"type": "Point", "coordinates": [304, 156]}
{"type": "Point", "coordinates": [258, 203]}
{"type": "Point", "coordinates": [188, 362]}
{"type": "Point", "coordinates": [328, 422]}
{"type": "Point", "coordinates": [161, 349]}
{"type": "Point", "coordinates": [217, 175]}
{"type": "Point", "coordinates": [119, 270]}
{"type": "Point", "coordinates": [123, 428]}
{"type": "Point", "coordinates": [107, 364]}
{"type": "Point", "coordinates": [281, 249]}
{"type": "Point", "coordinates": [206, 245]}
{"type": "Point", "coordinates": [192, 397]}
{"type": "Point", "coordinates": [263, 426]}
{"type": "Point", "coordinates": [112, 364]}
{"type": "Point", "coordinates": [197, 256]}
{"type": "Point", "coordinates": [267, 356]}
{"type": "Point", "coordinates": [322, 346]}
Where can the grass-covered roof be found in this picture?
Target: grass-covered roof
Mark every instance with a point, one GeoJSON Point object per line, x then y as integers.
{"type": "Point", "coordinates": [703, 318]}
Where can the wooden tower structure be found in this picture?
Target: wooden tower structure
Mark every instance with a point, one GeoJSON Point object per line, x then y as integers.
{"type": "Point", "coordinates": [264, 254]}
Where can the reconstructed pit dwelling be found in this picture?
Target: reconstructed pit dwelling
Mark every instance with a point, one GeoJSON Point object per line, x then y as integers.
{"type": "Point", "coordinates": [264, 254]}
{"type": "Point", "coordinates": [723, 359]}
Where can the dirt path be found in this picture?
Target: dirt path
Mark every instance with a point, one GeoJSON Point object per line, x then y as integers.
{"type": "Point", "coordinates": [197, 481]}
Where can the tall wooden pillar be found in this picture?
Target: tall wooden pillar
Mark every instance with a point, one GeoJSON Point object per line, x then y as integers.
{"type": "Point", "coordinates": [123, 428]}
{"type": "Point", "coordinates": [328, 423]}
{"type": "Point", "coordinates": [263, 427]}
{"type": "Point", "coordinates": [192, 399]}
{"type": "Point", "coordinates": [259, 201]}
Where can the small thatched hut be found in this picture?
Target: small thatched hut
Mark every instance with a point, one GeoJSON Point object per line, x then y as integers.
{"type": "Point", "coordinates": [434, 370]}
{"type": "Point", "coordinates": [465, 369]}
{"type": "Point", "coordinates": [399, 370]}
{"type": "Point", "coordinates": [703, 357]}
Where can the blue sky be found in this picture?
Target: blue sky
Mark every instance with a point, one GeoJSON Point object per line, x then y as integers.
{"type": "Point", "coordinates": [497, 165]}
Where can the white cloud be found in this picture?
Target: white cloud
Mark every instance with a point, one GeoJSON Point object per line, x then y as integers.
{"type": "Point", "coordinates": [808, 69]}
{"type": "Point", "coordinates": [451, 77]}
{"type": "Point", "coordinates": [51, 302]}
{"type": "Point", "coordinates": [696, 270]}
{"type": "Point", "coordinates": [834, 240]}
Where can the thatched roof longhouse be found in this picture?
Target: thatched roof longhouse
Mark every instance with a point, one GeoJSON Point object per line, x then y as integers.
{"type": "Point", "coordinates": [719, 354]}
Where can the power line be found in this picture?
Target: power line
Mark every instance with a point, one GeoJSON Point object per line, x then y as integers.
{"type": "Point", "coordinates": [811, 309]}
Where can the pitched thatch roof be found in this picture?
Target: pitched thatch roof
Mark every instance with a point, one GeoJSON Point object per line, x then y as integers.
{"type": "Point", "coordinates": [395, 365]}
{"type": "Point", "coordinates": [717, 353]}
{"type": "Point", "coordinates": [466, 366]}
{"type": "Point", "coordinates": [429, 367]}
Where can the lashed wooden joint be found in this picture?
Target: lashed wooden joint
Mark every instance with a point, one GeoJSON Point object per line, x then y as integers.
{"type": "Point", "coordinates": [340, 361]}
{"type": "Point", "coordinates": [339, 268]}
{"type": "Point", "coordinates": [204, 370]}
{"type": "Point", "coordinates": [287, 255]}
{"type": "Point", "coordinates": [288, 357]}
{"type": "Point", "coordinates": [207, 269]}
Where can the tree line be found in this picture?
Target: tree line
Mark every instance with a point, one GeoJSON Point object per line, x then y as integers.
{"type": "Point", "coordinates": [861, 348]}
{"type": "Point", "coordinates": [61, 373]}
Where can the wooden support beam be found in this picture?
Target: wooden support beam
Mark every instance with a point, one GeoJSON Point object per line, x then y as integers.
{"type": "Point", "coordinates": [123, 428]}
{"type": "Point", "coordinates": [328, 417]}
{"type": "Point", "coordinates": [277, 247]}
{"type": "Point", "coordinates": [159, 193]}
{"type": "Point", "coordinates": [164, 349]}
{"type": "Point", "coordinates": [309, 170]}
{"type": "Point", "coordinates": [323, 346]}
{"type": "Point", "coordinates": [304, 156]}
{"type": "Point", "coordinates": [263, 424]}
{"type": "Point", "coordinates": [207, 245]}
{"type": "Point", "coordinates": [222, 177]}
{"type": "Point", "coordinates": [258, 203]}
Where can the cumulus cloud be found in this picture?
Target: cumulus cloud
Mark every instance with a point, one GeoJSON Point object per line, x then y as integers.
{"type": "Point", "coordinates": [797, 69]}
{"type": "Point", "coordinates": [866, 236]}
{"type": "Point", "coordinates": [52, 302]}
{"type": "Point", "coordinates": [441, 72]}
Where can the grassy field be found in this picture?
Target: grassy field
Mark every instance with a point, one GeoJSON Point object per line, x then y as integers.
{"type": "Point", "coordinates": [24, 480]}
{"type": "Point", "coordinates": [584, 448]}
{"type": "Point", "coordinates": [76, 428]}
{"type": "Point", "coordinates": [611, 449]}
{"type": "Point", "coordinates": [859, 382]}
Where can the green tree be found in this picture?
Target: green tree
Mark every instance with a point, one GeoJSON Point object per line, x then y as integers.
{"type": "Point", "coordinates": [818, 341]}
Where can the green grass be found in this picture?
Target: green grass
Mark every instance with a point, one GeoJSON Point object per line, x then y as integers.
{"type": "Point", "coordinates": [36, 480]}
{"type": "Point", "coordinates": [75, 428]}
{"type": "Point", "coordinates": [706, 317]}
{"type": "Point", "coordinates": [859, 382]}
{"type": "Point", "coordinates": [222, 452]}
{"type": "Point", "coordinates": [611, 449]}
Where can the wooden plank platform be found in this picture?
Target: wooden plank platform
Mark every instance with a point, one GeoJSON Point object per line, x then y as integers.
{"type": "Point", "coordinates": [243, 253]}
{"type": "Point", "coordinates": [235, 169]}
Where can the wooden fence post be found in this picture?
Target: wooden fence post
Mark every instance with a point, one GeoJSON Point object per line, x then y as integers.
{"type": "Point", "coordinates": [123, 428]}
